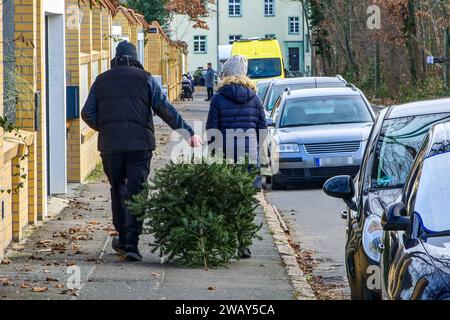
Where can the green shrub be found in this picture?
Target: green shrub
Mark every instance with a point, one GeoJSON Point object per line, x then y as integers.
{"type": "Point", "coordinates": [430, 88]}
{"type": "Point", "coordinates": [200, 214]}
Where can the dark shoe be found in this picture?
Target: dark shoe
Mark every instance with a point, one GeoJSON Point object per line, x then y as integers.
{"type": "Point", "coordinates": [207, 100]}
{"type": "Point", "coordinates": [245, 253]}
{"type": "Point", "coordinates": [118, 246]}
{"type": "Point", "coordinates": [132, 253]}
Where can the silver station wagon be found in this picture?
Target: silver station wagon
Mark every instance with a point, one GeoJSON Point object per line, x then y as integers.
{"type": "Point", "coordinates": [318, 133]}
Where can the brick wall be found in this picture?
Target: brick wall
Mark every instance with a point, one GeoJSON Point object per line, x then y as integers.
{"type": "Point", "coordinates": [19, 165]}
{"type": "Point", "coordinates": [120, 19]}
{"type": "Point", "coordinates": [165, 59]}
{"type": "Point", "coordinates": [155, 52]}
{"type": "Point", "coordinates": [6, 216]}
{"type": "Point", "coordinates": [106, 35]}
{"type": "Point", "coordinates": [88, 45]}
{"type": "Point", "coordinates": [73, 49]}
{"type": "Point", "coordinates": [30, 66]}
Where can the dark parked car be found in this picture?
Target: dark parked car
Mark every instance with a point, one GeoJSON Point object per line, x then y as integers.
{"type": "Point", "coordinates": [415, 263]}
{"type": "Point", "coordinates": [392, 147]}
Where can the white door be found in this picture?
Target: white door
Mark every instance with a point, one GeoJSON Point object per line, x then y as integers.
{"type": "Point", "coordinates": [56, 104]}
{"type": "Point", "coordinates": [116, 33]}
{"type": "Point", "coordinates": [140, 47]}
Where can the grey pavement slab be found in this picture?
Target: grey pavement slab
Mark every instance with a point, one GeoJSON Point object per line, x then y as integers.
{"type": "Point", "coordinates": [80, 238]}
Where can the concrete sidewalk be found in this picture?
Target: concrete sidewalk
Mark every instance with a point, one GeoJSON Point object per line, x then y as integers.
{"type": "Point", "coordinates": [79, 241]}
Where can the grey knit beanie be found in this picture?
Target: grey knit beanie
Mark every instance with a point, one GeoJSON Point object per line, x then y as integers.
{"type": "Point", "coordinates": [235, 66]}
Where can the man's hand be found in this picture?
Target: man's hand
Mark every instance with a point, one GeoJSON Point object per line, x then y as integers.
{"type": "Point", "coordinates": [195, 141]}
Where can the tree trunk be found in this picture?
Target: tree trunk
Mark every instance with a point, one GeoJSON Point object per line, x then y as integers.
{"type": "Point", "coordinates": [411, 40]}
{"type": "Point", "coordinates": [445, 5]}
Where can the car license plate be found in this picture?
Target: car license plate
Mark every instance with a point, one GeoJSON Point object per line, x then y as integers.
{"type": "Point", "coordinates": [333, 162]}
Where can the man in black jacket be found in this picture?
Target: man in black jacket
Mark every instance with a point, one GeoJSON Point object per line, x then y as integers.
{"type": "Point", "coordinates": [120, 107]}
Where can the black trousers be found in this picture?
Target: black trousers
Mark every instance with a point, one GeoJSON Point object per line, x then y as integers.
{"type": "Point", "coordinates": [210, 91]}
{"type": "Point", "coordinates": [127, 173]}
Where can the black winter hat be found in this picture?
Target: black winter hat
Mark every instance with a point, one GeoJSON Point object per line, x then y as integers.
{"type": "Point", "coordinates": [126, 48]}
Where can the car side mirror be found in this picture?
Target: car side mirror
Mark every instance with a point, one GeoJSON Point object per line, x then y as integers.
{"type": "Point", "coordinates": [341, 187]}
{"type": "Point", "coordinates": [394, 218]}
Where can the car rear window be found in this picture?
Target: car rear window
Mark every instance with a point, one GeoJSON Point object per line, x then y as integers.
{"type": "Point", "coordinates": [325, 110]}
{"type": "Point", "coordinates": [276, 91]}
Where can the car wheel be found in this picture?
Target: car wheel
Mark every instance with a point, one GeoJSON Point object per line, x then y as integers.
{"type": "Point", "coordinates": [359, 290]}
{"type": "Point", "coordinates": [277, 186]}
{"type": "Point", "coordinates": [264, 183]}
{"type": "Point", "coordinates": [363, 293]}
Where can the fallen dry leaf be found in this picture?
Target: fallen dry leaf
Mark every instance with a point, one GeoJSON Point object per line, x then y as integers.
{"type": "Point", "coordinates": [212, 288]}
{"type": "Point", "coordinates": [50, 279]}
{"type": "Point", "coordinates": [39, 289]}
{"type": "Point", "coordinates": [7, 283]}
{"type": "Point", "coordinates": [26, 270]}
{"type": "Point", "coordinates": [5, 261]}
{"type": "Point", "coordinates": [36, 258]}
{"type": "Point", "coordinates": [72, 292]}
{"type": "Point", "coordinates": [90, 259]}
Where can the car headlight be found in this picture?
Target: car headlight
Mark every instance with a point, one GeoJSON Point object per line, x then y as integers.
{"type": "Point", "coordinates": [288, 147]}
{"type": "Point", "coordinates": [372, 237]}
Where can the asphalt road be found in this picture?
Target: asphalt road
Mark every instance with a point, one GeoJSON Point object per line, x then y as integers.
{"type": "Point", "coordinates": [316, 225]}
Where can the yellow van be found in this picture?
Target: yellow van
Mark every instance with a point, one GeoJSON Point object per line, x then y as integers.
{"type": "Point", "coordinates": [265, 59]}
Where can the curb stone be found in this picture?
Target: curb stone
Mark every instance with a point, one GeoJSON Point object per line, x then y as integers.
{"type": "Point", "coordinates": [298, 280]}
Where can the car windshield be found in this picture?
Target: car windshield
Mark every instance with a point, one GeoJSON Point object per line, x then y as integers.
{"type": "Point", "coordinates": [431, 202]}
{"type": "Point", "coordinates": [325, 110]}
{"type": "Point", "coordinates": [262, 89]}
{"type": "Point", "coordinates": [397, 147]}
{"type": "Point", "coordinates": [276, 91]}
{"type": "Point", "coordinates": [264, 68]}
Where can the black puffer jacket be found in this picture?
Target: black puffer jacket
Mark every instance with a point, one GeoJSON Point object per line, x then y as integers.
{"type": "Point", "coordinates": [237, 106]}
{"type": "Point", "coordinates": [120, 106]}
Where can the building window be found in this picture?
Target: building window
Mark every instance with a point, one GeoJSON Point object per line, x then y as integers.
{"type": "Point", "coordinates": [294, 25]}
{"type": "Point", "coordinates": [232, 38]}
{"type": "Point", "coordinates": [270, 36]}
{"type": "Point", "coordinates": [234, 8]}
{"type": "Point", "coordinates": [200, 44]}
{"type": "Point", "coordinates": [269, 8]}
